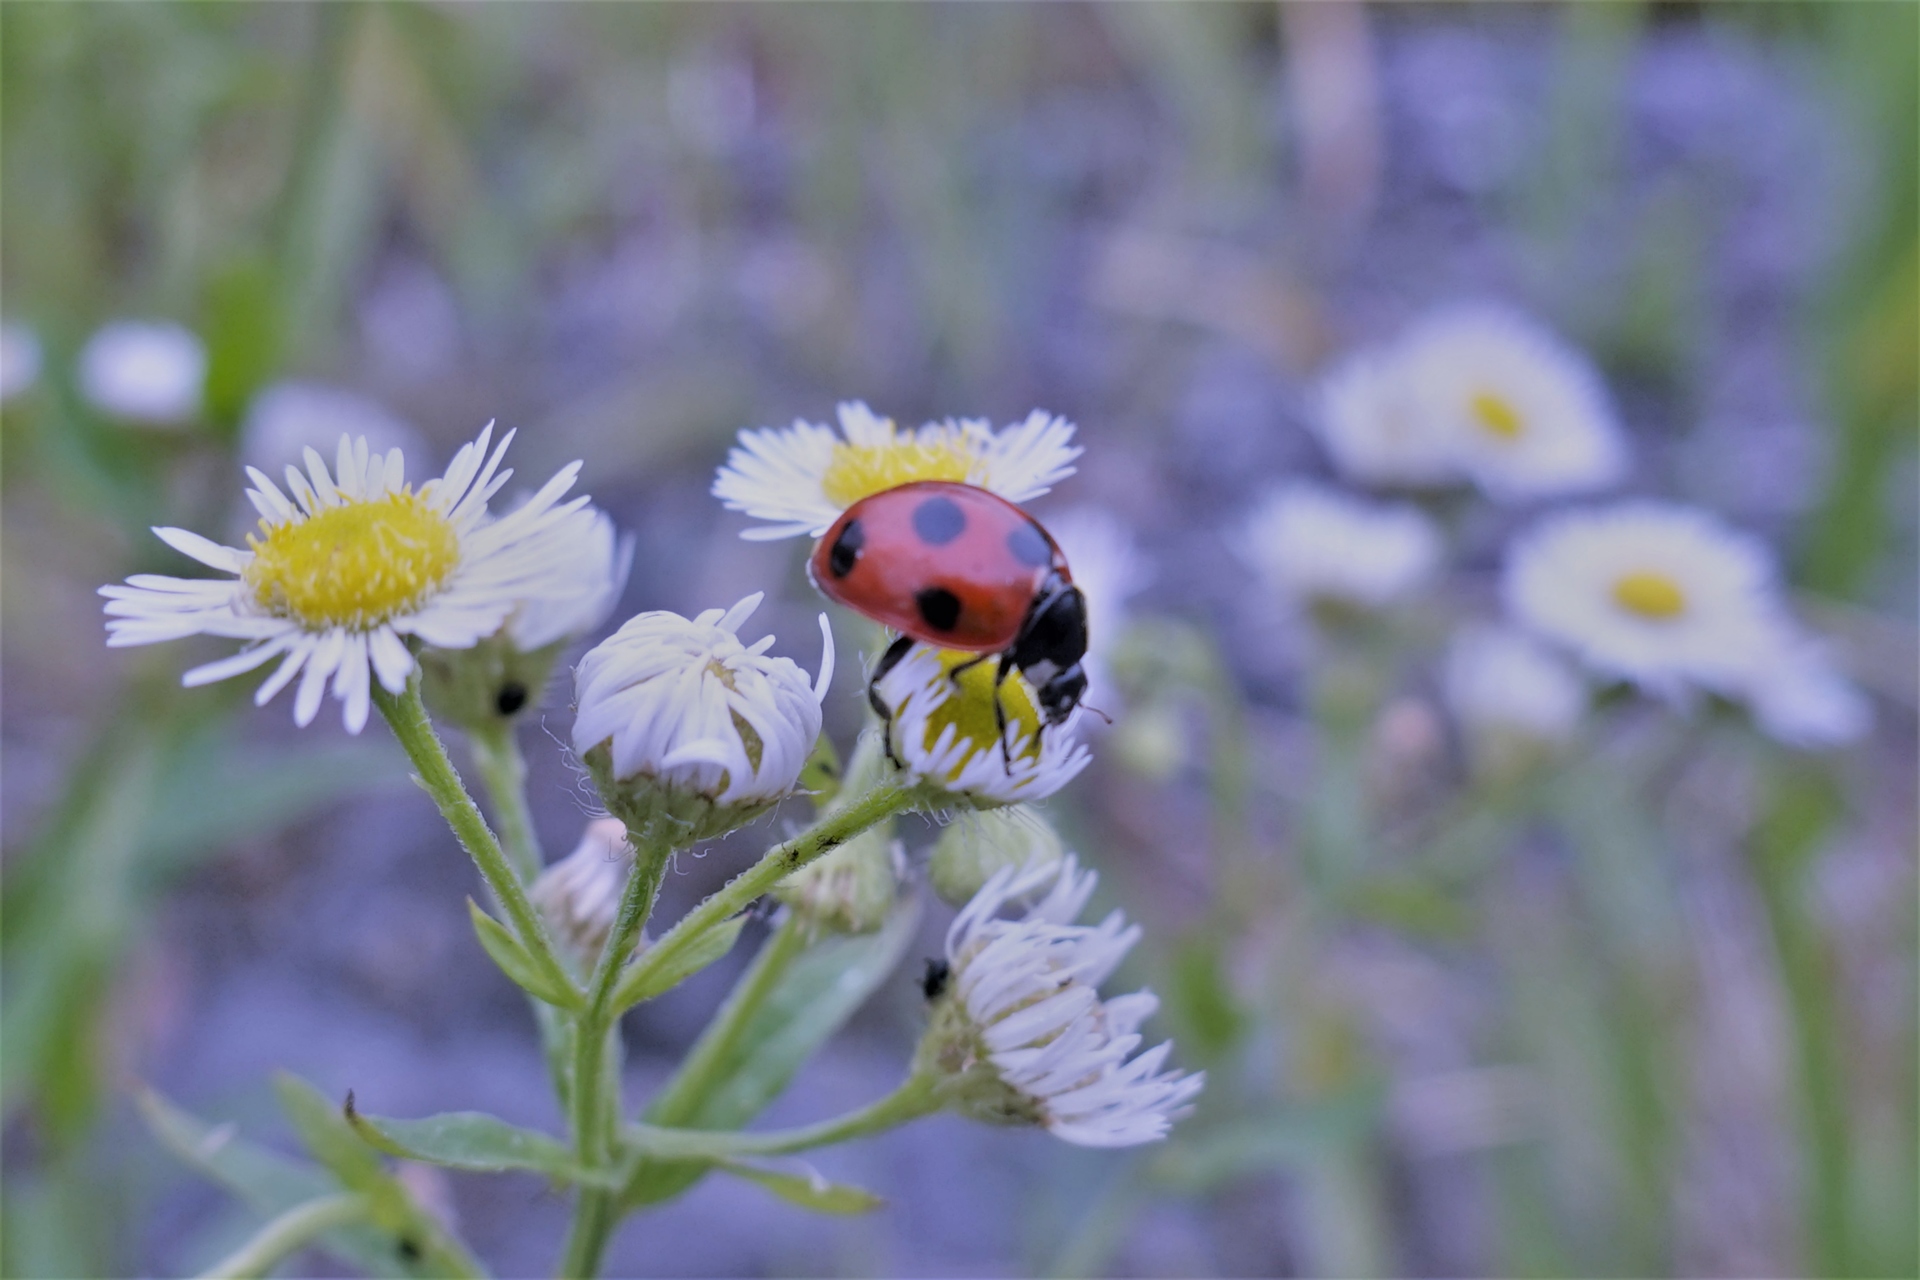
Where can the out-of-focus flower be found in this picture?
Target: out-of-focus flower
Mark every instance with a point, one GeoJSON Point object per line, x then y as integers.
{"type": "Point", "coordinates": [1371, 426]}
{"type": "Point", "coordinates": [580, 894]}
{"type": "Point", "coordinates": [946, 733]}
{"type": "Point", "coordinates": [288, 418]}
{"type": "Point", "coordinates": [1661, 595]}
{"type": "Point", "coordinates": [1525, 416]}
{"type": "Point", "coordinates": [585, 591]}
{"type": "Point", "coordinates": [149, 373]}
{"type": "Point", "coordinates": [1020, 1034]}
{"type": "Point", "coordinates": [977, 845]}
{"type": "Point", "coordinates": [353, 563]}
{"type": "Point", "coordinates": [1800, 698]}
{"type": "Point", "coordinates": [1509, 693]}
{"type": "Point", "coordinates": [1109, 570]}
{"type": "Point", "coordinates": [19, 360]}
{"type": "Point", "coordinates": [800, 479]}
{"type": "Point", "coordinates": [1316, 545]}
{"type": "Point", "coordinates": [688, 732]}
{"type": "Point", "coordinates": [852, 889]}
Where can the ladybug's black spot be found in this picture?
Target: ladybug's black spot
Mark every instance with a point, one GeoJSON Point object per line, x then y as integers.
{"type": "Point", "coordinates": [1029, 546]}
{"type": "Point", "coordinates": [939, 606]}
{"type": "Point", "coordinates": [939, 521]}
{"type": "Point", "coordinates": [846, 549]}
{"type": "Point", "coordinates": [512, 697]}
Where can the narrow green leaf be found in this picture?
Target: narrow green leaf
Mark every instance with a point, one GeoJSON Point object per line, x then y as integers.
{"type": "Point", "coordinates": [808, 1190]}
{"type": "Point", "coordinates": [517, 964]}
{"type": "Point", "coordinates": [703, 951]}
{"type": "Point", "coordinates": [474, 1141]}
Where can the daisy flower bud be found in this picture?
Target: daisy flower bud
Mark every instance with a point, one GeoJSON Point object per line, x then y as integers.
{"type": "Point", "coordinates": [800, 479]}
{"type": "Point", "coordinates": [153, 374]}
{"type": "Point", "coordinates": [1321, 547]}
{"type": "Point", "coordinates": [580, 894]}
{"type": "Point", "coordinates": [1019, 1033]}
{"type": "Point", "coordinates": [350, 568]}
{"type": "Point", "coordinates": [976, 846]}
{"type": "Point", "coordinates": [1513, 698]}
{"type": "Point", "coordinates": [688, 732]}
{"type": "Point", "coordinates": [852, 889]}
{"type": "Point", "coordinates": [946, 732]}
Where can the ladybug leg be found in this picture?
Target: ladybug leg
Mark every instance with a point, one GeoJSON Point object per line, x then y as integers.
{"type": "Point", "coordinates": [888, 661]}
{"type": "Point", "coordinates": [968, 665]}
{"type": "Point", "coordinates": [1000, 710]}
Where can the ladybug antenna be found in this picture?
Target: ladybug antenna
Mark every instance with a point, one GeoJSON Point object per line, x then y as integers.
{"type": "Point", "coordinates": [1097, 711]}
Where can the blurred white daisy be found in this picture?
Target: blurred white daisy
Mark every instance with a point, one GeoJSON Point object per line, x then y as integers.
{"type": "Point", "coordinates": [1503, 685]}
{"type": "Point", "coordinates": [1317, 545]}
{"type": "Point", "coordinates": [1371, 426]}
{"type": "Point", "coordinates": [349, 567]}
{"type": "Point", "coordinates": [1110, 570]}
{"type": "Point", "coordinates": [582, 592]}
{"type": "Point", "coordinates": [580, 894]}
{"type": "Point", "coordinates": [1020, 1034]}
{"type": "Point", "coordinates": [1799, 697]}
{"type": "Point", "coordinates": [945, 730]}
{"type": "Point", "coordinates": [19, 360]}
{"type": "Point", "coordinates": [679, 722]}
{"type": "Point", "coordinates": [801, 478]}
{"type": "Point", "coordinates": [286, 419]}
{"type": "Point", "coordinates": [1661, 595]}
{"type": "Point", "coordinates": [150, 373]}
{"type": "Point", "coordinates": [1524, 415]}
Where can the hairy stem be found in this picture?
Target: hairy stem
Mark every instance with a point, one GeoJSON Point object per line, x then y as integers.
{"type": "Point", "coordinates": [913, 1099]}
{"type": "Point", "coordinates": [496, 753]}
{"type": "Point", "coordinates": [407, 715]}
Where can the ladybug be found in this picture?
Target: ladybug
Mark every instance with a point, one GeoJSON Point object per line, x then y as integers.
{"type": "Point", "coordinates": [955, 566]}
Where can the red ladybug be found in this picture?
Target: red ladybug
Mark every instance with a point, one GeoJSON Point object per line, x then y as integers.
{"type": "Point", "coordinates": [957, 567]}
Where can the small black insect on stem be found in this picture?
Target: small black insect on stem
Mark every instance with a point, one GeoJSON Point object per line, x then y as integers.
{"type": "Point", "coordinates": [933, 983]}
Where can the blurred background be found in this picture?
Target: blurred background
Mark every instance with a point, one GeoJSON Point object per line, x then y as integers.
{"type": "Point", "coordinates": [1658, 1020]}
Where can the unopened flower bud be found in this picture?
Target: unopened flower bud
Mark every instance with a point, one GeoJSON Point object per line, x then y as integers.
{"type": "Point", "coordinates": [976, 845]}
{"type": "Point", "coordinates": [580, 894]}
{"type": "Point", "coordinates": [689, 733]}
{"type": "Point", "coordinates": [852, 889]}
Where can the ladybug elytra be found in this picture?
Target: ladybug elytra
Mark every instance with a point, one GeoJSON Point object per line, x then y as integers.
{"type": "Point", "coordinates": [955, 566]}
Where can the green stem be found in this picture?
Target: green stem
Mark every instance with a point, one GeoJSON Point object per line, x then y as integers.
{"type": "Point", "coordinates": [287, 1234]}
{"type": "Point", "coordinates": [913, 1099]}
{"type": "Point", "coordinates": [407, 715]}
{"type": "Point", "coordinates": [594, 1217]}
{"type": "Point", "coordinates": [496, 753]}
{"type": "Point", "coordinates": [826, 835]}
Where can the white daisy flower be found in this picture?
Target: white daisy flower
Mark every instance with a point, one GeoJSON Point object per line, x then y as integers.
{"type": "Point", "coordinates": [802, 478]}
{"type": "Point", "coordinates": [585, 589]}
{"type": "Point", "coordinates": [1110, 570]}
{"type": "Point", "coordinates": [287, 418]}
{"type": "Point", "coordinates": [1317, 545]}
{"type": "Point", "coordinates": [1661, 595]}
{"type": "Point", "coordinates": [1021, 1036]}
{"type": "Point", "coordinates": [1525, 416]}
{"type": "Point", "coordinates": [1501, 684]}
{"type": "Point", "coordinates": [678, 721]}
{"type": "Point", "coordinates": [1367, 419]}
{"type": "Point", "coordinates": [149, 373]}
{"type": "Point", "coordinates": [1800, 698]}
{"type": "Point", "coordinates": [350, 567]}
{"type": "Point", "coordinates": [580, 894]}
{"type": "Point", "coordinates": [19, 360]}
{"type": "Point", "coordinates": [946, 733]}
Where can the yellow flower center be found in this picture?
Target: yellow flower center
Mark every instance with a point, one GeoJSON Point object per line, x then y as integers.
{"type": "Point", "coordinates": [860, 470]}
{"type": "Point", "coordinates": [353, 566]}
{"type": "Point", "coordinates": [1649, 594]}
{"type": "Point", "coordinates": [1497, 415]}
{"type": "Point", "coordinates": [969, 709]}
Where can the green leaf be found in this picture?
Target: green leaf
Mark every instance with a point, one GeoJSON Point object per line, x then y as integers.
{"type": "Point", "coordinates": [265, 1181]}
{"type": "Point", "coordinates": [808, 1190]}
{"type": "Point", "coordinates": [700, 953]}
{"type": "Point", "coordinates": [474, 1141]}
{"type": "Point", "coordinates": [517, 964]}
{"type": "Point", "coordinates": [821, 774]}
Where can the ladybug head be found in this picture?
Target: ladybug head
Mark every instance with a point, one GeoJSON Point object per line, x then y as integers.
{"type": "Point", "coordinates": [1060, 695]}
{"type": "Point", "coordinates": [1052, 640]}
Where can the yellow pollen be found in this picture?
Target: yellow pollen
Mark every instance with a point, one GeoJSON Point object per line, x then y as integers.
{"type": "Point", "coordinates": [1649, 594]}
{"type": "Point", "coordinates": [1497, 415]}
{"type": "Point", "coordinates": [969, 709]}
{"type": "Point", "coordinates": [860, 470]}
{"type": "Point", "coordinates": [353, 566]}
